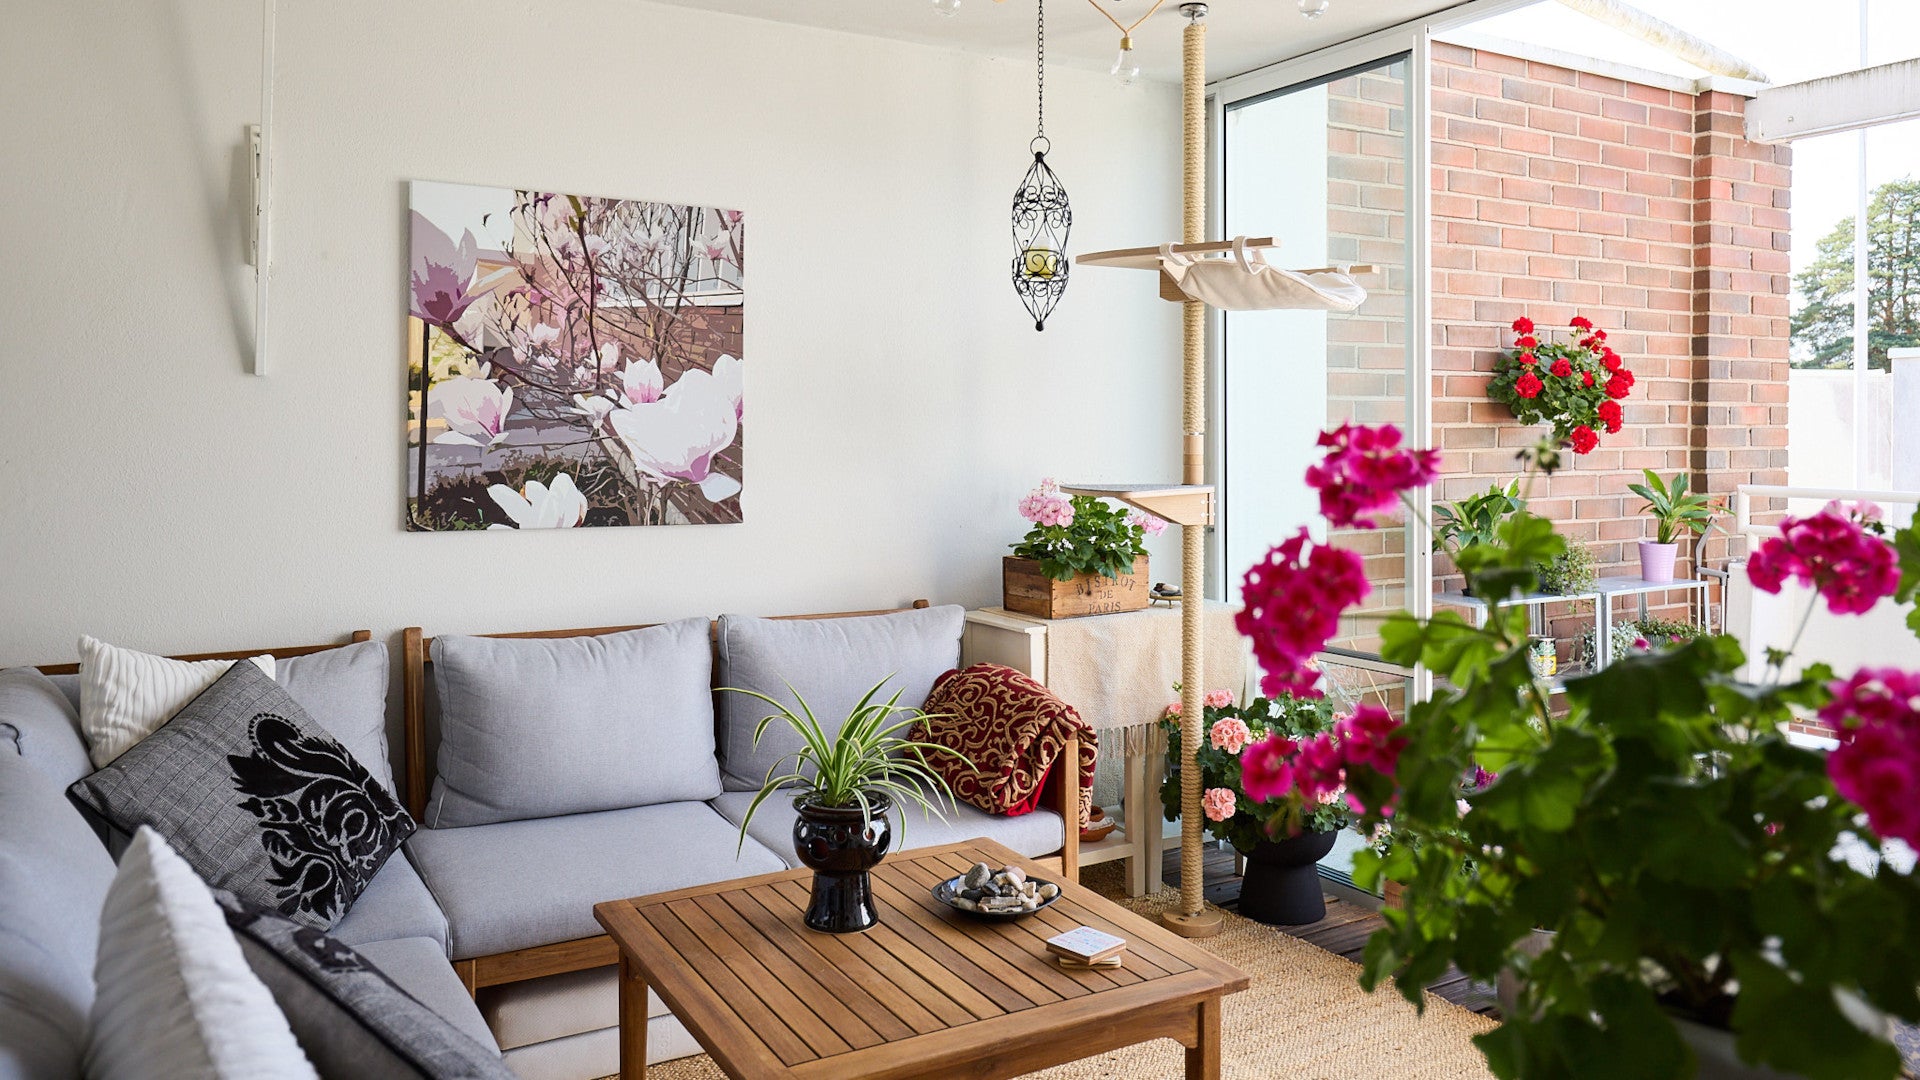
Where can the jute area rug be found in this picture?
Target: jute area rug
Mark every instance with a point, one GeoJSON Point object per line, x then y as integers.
{"type": "Point", "coordinates": [1304, 1018]}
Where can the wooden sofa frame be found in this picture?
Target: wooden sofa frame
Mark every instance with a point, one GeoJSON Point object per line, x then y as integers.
{"type": "Point", "coordinates": [584, 954]}
{"type": "Point", "coordinates": [283, 653]}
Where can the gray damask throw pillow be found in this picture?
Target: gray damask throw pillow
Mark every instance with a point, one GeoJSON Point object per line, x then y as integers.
{"type": "Point", "coordinates": [257, 798]}
{"type": "Point", "coordinates": [350, 1018]}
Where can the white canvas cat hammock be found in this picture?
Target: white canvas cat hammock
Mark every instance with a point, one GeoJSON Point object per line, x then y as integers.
{"type": "Point", "coordinates": [1241, 281]}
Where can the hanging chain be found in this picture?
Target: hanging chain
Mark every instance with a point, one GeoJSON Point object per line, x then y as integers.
{"type": "Point", "coordinates": [1040, 70]}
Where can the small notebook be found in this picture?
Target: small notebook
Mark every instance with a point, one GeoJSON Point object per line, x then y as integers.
{"type": "Point", "coordinates": [1086, 944]}
{"type": "Point", "coordinates": [1074, 963]}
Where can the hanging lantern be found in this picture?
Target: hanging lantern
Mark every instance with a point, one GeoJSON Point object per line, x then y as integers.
{"type": "Point", "coordinates": [1041, 216]}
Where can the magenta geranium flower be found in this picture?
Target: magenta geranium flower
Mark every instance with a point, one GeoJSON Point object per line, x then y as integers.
{"type": "Point", "coordinates": [1293, 600]}
{"type": "Point", "coordinates": [1365, 470]}
{"type": "Point", "coordinates": [1852, 569]}
{"type": "Point", "coordinates": [1266, 768]}
{"type": "Point", "coordinates": [1877, 716]}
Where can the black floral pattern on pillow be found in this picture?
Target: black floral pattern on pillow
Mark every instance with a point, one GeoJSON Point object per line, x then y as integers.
{"type": "Point", "coordinates": [325, 824]}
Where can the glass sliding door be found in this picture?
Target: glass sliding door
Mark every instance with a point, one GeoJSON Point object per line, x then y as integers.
{"type": "Point", "coordinates": [1321, 166]}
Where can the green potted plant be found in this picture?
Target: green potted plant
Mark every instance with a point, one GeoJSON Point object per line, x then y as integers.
{"type": "Point", "coordinates": [1654, 866]}
{"type": "Point", "coordinates": [1083, 556]}
{"type": "Point", "coordinates": [1571, 572]}
{"type": "Point", "coordinates": [1281, 885]}
{"type": "Point", "coordinates": [1674, 511]}
{"type": "Point", "coordinates": [843, 783]}
{"type": "Point", "coordinates": [1475, 519]}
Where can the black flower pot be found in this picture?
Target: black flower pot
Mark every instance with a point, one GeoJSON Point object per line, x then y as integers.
{"type": "Point", "coordinates": [1282, 883]}
{"type": "Point", "coordinates": [840, 845]}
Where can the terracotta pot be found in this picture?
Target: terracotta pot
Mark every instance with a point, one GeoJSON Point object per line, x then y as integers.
{"type": "Point", "coordinates": [840, 845]}
{"type": "Point", "coordinates": [1282, 882]}
{"type": "Point", "coordinates": [1656, 561]}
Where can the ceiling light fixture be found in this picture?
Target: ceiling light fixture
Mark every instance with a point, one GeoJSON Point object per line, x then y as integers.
{"type": "Point", "coordinates": [1313, 9]}
{"type": "Point", "coordinates": [1126, 66]}
{"type": "Point", "coordinates": [948, 8]}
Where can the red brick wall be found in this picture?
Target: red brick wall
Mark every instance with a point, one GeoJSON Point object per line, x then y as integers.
{"type": "Point", "coordinates": [1558, 193]}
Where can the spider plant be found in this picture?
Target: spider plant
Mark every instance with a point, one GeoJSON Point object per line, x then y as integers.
{"type": "Point", "coordinates": [868, 757]}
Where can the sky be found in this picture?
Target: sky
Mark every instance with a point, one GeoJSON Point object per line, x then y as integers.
{"type": "Point", "coordinates": [1789, 40]}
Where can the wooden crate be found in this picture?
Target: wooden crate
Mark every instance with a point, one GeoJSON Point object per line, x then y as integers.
{"type": "Point", "coordinates": [1028, 591]}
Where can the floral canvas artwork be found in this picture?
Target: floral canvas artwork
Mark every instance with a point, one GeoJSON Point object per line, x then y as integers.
{"type": "Point", "coordinates": [572, 361]}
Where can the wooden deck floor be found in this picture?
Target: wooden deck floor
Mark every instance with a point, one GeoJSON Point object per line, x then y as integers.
{"type": "Point", "coordinates": [1344, 931]}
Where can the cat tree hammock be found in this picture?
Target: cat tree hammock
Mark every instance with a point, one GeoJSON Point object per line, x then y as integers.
{"type": "Point", "coordinates": [1198, 273]}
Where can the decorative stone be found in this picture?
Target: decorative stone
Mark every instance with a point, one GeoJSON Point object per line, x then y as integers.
{"type": "Point", "coordinates": [965, 904]}
{"type": "Point", "coordinates": [978, 876]}
{"type": "Point", "coordinates": [1049, 891]}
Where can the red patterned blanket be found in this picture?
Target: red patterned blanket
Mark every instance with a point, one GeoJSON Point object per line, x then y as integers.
{"type": "Point", "coordinates": [1012, 729]}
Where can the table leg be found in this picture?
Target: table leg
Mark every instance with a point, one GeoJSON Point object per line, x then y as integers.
{"type": "Point", "coordinates": [1137, 808]}
{"type": "Point", "coordinates": [1203, 1059]}
{"type": "Point", "coordinates": [633, 1022]}
{"type": "Point", "coordinates": [1151, 838]}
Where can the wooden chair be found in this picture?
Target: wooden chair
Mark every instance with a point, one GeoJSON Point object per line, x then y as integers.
{"type": "Point", "coordinates": [593, 952]}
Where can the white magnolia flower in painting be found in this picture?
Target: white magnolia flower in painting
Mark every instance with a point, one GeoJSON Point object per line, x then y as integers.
{"type": "Point", "coordinates": [543, 335]}
{"type": "Point", "coordinates": [715, 248]}
{"type": "Point", "coordinates": [595, 409]}
{"type": "Point", "coordinates": [608, 356]}
{"type": "Point", "coordinates": [726, 371]}
{"type": "Point", "coordinates": [475, 410]}
{"type": "Point", "coordinates": [678, 436]}
{"type": "Point", "coordinates": [642, 382]}
{"type": "Point", "coordinates": [538, 506]}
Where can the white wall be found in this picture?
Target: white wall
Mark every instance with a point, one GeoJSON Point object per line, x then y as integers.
{"type": "Point", "coordinates": [154, 493]}
{"type": "Point", "coordinates": [1822, 433]}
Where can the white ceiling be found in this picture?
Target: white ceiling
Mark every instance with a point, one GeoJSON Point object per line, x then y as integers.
{"type": "Point", "coordinates": [1241, 35]}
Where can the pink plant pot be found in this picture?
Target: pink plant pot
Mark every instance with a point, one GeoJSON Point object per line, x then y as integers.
{"type": "Point", "coordinates": [1656, 561]}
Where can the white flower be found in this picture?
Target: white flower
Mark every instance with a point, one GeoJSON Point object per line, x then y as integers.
{"type": "Point", "coordinates": [538, 506]}
{"type": "Point", "coordinates": [677, 437]}
{"type": "Point", "coordinates": [595, 409]}
{"type": "Point", "coordinates": [642, 382]}
{"type": "Point", "coordinates": [727, 373]}
{"type": "Point", "coordinates": [474, 408]}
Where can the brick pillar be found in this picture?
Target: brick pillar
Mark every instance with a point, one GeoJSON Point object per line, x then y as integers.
{"type": "Point", "coordinates": [1741, 194]}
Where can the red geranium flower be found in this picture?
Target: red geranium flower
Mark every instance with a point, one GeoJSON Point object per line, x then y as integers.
{"type": "Point", "coordinates": [1584, 439]}
{"type": "Point", "coordinates": [1562, 369]}
{"type": "Point", "coordinates": [1528, 358]}
{"type": "Point", "coordinates": [1586, 378]}
{"type": "Point", "coordinates": [1581, 322]}
{"type": "Point", "coordinates": [1523, 325]}
{"type": "Point", "coordinates": [1620, 385]}
{"type": "Point", "coordinates": [1611, 360]}
{"type": "Point", "coordinates": [1527, 385]}
{"type": "Point", "coordinates": [1610, 414]}
{"type": "Point", "coordinates": [1527, 342]}
{"type": "Point", "coordinates": [1599, 335]}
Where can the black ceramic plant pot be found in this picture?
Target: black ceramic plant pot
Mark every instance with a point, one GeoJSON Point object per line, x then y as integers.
{"type": "Point", "coordinates": [839, 846]}
{"type": "Point", "coordinates": [1282, 883]}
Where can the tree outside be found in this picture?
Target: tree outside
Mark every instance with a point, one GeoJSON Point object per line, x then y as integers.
{"type": "Point", "coordinates": [1823, 327]}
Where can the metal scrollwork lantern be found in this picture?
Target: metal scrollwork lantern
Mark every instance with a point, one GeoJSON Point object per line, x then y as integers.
{"type": "Point", "coordinates": [1042, 217]}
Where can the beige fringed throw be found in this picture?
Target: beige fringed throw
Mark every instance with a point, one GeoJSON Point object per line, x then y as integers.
{"type": "Point", "coordinates": [1118, 671]}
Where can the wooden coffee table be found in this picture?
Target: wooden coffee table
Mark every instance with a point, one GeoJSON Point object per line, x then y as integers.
{"type": "Point", "coordinates": [928, 992]}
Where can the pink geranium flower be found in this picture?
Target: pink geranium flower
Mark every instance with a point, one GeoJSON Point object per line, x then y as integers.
{"type": "Point", "coordinates": [1230, 734]}
{"type": "Point", "coordinates": [1852, 570]}
{"type": "Point", "coordinates": [1293, 604]}
{"type": "Point", "coordinates": [1365, 470]}
{"type": "Point", "coordinates": [1147, 523]}
{"type": "Point", "coordinates": [1218, 803]}
{"type": "Point", "coordinates": [1219, 699]}
{"type": "Point", "coordinates": [1266, 768]}
{"type": "Point", "coordinates": [1877, 765]}
{"type": "Point", "coordinates": [1047, 505]}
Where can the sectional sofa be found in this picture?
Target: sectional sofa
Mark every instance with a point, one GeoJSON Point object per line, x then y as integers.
{"type": "Point", "coordinates": [548, 771]}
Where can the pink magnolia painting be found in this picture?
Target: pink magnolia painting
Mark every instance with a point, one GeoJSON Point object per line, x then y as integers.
{"type": "Point", "coordinates": [572, 361]}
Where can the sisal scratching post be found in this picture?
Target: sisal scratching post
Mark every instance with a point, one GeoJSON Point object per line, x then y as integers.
{"type": "Point", "coordinates": [1192, 919]}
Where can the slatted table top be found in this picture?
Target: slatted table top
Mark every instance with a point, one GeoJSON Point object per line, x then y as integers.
{"type": "Point", "coordinates": [928, 989]}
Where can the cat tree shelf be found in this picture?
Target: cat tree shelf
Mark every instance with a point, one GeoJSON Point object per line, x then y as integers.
{"type": "Point", "coordinates": [1181, 504]}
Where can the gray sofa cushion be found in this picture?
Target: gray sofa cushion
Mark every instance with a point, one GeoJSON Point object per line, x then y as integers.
{"type": "Point", "coordinates": [517, 884]}
{"type": "Point", "coordinates": [54, 877]}
{"type": "Point", "coordinates": [43, 724]}
{"type": "Point", "coordinates": [831, 662]}
{"type": "Point", "coordinates": [395, 904]}
{"type": "Point", "coordinates": [1033, 835]}
{"type": "Point", "coordinates": [350, 1016]}
{"type": "Point", "coordinates": [419, 966]}
{"type": "Point", "coordinates": [539, 727]}
{"type": "Point", "coordinates": [344, 690]}
{"type": "Point", "coordinates": [257, 798]}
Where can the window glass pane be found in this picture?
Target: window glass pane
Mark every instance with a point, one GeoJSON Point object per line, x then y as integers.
{"type": "Point", "coordinates": [1322, 168]}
